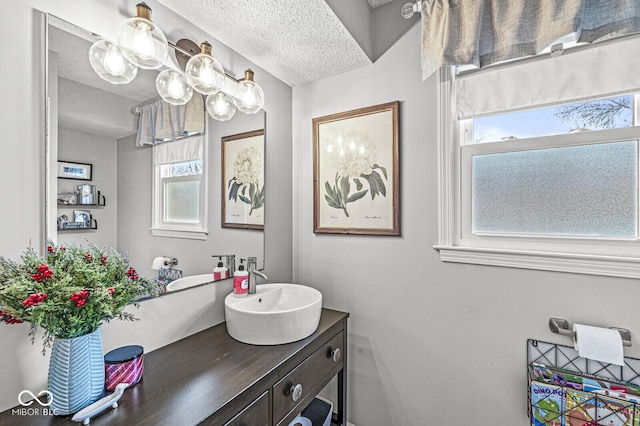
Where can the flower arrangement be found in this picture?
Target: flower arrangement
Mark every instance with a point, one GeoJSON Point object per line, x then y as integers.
{"type": "Point", "coordinates": [246, 169]}
{"type": "Point", "coordinates": [71, 292]}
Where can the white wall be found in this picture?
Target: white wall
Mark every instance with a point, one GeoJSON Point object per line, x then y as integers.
{"type": "Point", "coordinates": [430, 343]}
{"type": "Point", "coordinates": [162, 320]}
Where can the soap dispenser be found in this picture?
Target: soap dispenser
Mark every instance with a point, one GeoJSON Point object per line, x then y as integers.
{"type": "Point", "coordinates": [220, 272]}
{"type": "Point", "coordinates": [240, 281]}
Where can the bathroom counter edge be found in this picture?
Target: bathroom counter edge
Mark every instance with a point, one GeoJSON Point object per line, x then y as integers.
{"type": "Point", "coordinates": [206, 376]}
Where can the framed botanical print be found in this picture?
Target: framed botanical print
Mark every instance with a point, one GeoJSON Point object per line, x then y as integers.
{"type": "Point", "coordinates": [243, 180]}
{"type": "Point", "coordinates": [356, 172]}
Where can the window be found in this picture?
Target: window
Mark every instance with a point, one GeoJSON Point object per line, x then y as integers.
{"type": "Point", "coordinates": [180, 189]}
{"type": "Point", "coordinates": [541, 180]}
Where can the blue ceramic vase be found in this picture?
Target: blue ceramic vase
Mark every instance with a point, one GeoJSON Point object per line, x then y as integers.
{"type": "Point", "coordinates": [76, 373]}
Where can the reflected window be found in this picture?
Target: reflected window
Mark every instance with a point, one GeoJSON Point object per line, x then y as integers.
{"type": "Point", "coordinates": [180, 189]}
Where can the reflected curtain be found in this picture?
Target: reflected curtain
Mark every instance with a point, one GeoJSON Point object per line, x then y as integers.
{"type": "Point", "coordinates": [162, 122]}
{"type": "Point", "coordinates": [483, 32]}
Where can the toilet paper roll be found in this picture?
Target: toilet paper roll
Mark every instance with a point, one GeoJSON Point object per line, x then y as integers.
{"type": "Point", "coordinates": [301, 421]}
{"type": "Point", "coordinates": [599, 344]}
{"type": "Point", "coordinates": [160, 262]}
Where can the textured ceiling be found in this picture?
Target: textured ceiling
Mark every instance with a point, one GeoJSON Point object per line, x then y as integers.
{"type": "Point", "coordinates": [297, 41]}
{"type": "Point", "coordinates": [77, 80]}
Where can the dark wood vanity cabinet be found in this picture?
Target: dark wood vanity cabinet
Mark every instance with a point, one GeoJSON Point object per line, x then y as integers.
{"type": "Point", "coordinates": [255, 414]}
{"type": "Point", "coordinates": [211, 379]}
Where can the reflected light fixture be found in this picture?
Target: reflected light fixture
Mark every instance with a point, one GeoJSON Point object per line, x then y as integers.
{"type": "Point", "coordinates": [172, 86]}
{"type": "Point", "coordinates": [143, 43]}
{"type": "Point", "coordinates": [204, 72]}
{"type": "Point", "coordinates": [249, 97]}
{"type": "Point", "coordinates": [110, 63]}
{"type": "Point", "coordinates": [220, 106]}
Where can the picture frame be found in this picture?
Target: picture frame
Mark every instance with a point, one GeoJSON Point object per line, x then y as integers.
{"type": "Point", "coordinates": [73, 170]}
{"type": "Point", "coordinates": [82, 216]}
{"type": "Point", "coordinates": [243, 180]}
{"type": "Point", "coordinates": [356, 173]}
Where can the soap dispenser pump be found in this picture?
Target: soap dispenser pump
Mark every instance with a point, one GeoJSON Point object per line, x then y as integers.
{"type": "Point", "coordinates": [240, 281]}
{"type": "Point", "coordinates": [220, 272]}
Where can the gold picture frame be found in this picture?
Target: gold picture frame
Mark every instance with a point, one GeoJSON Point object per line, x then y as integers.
{"type": "Point", "coordinates": [356, 173]}
{"type": "Point", "coordinates": [243, 180]}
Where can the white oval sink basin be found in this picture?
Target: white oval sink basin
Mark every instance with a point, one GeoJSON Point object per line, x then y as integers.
{"type": "Point", "coordinates": [190, 281]}
{"type": "Point", "coordinates": [277, 313]}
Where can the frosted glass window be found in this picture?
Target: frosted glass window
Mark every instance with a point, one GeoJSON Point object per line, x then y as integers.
{"type": "Point", "coordinates": [584, 190]}
{"type": "Point", "coordinates": [182, 201]}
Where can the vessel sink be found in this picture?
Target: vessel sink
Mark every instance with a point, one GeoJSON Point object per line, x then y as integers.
{"type": "Point", "coordinates": [277, 313]}
{"type": "Point", "coordinates": [190, 281]}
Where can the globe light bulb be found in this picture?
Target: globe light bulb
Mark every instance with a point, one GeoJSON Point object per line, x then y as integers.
{"type": "Point", "coordinates": [143, 43]}
{"type": "Point", "coordinates": [109, 62]}
{"type": "Point", "coordinates": [172, 86]}
{"type": "Point", "coordinates": [249, 97]}
{"type": "Point", "coordinates": [220, 107]}
{"type": "Point", "coordinates": [204, 72]}
{"type": "Point", "coordinates": [114, 61]}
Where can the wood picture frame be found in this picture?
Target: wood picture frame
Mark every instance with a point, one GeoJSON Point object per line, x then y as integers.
{"type": "Point", "coordinates": [356, 172]}
{"type": "Point", "coordinates": [73, 170]}
{"type": "Point", "coordinates": [243, 180]}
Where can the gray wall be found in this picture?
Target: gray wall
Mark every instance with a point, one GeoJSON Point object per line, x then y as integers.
{"type": "Point", "coordinates": [431, 343]}
{"type": "Point", "coordinates": [162, 320]}
{"type": "Point", "coordinates": [99, 151]}
{"type": "Point", "coordinates": [135, 174]}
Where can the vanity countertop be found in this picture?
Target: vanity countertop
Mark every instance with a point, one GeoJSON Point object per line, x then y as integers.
{"type": "Point", "coordinates": [203, 377]}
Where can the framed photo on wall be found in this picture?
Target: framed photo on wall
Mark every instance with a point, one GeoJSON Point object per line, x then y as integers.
{"type": "Point", "coordinates": [71, 170]}
{"type": "Point", "coordinates": [83, 217]}
{"type": "Point", "coordinates": [356, 176]}
{"type": "Point", "coordinates": [243, 180]}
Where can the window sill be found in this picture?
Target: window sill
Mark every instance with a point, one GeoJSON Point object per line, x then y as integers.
{"type": "Point", "coordinates": [612, 266]}
{"type": "Point", "coordinates": [173, 233]}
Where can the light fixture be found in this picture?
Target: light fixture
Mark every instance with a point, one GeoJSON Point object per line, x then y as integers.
{"type": "Point", "coordinates": [204, 72]}
{"type": "Point", "coordinates": [143, 43]}
{"type": "Point", "coordinates": [220, 106]}
{"type": "Point", "coordinates": [249, 97]}
{"type": "Point", "coordinates": [172, 86]}
{"type": "Point", "coordinates": [108, 61]}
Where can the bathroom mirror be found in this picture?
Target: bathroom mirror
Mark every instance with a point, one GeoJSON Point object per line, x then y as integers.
{"type": "Point", "coordinates": [92, 125]}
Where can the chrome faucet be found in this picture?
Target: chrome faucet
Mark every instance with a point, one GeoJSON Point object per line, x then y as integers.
{"type": "Point", "coordinates": [252, 264]}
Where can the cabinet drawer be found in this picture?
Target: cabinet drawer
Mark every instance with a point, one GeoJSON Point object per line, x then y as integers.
{"type": "Point", "coordinates": [255, 414]}
{"type": "Point", "coordinates": [307, 377]}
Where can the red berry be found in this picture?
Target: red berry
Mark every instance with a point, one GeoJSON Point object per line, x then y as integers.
{"type": "Point", "coordinates": [50, 249]}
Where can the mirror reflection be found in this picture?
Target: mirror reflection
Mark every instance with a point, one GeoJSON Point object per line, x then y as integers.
{"type": "Point", "coordinates": [168, 207]}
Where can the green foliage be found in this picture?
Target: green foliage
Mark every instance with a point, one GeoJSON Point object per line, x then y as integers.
{"type": "Point", "coordinates": [337, 196]}
{"type": "Point", "coordinates": [255, 198]}
{"type": "Point", "coordinates": [71, 292]}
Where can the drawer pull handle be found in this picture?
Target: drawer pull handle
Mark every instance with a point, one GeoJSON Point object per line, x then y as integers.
{"type": "Point", "coordinates": [296, 392]}
{"type": "Point", "coordinates": [335, 354]}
